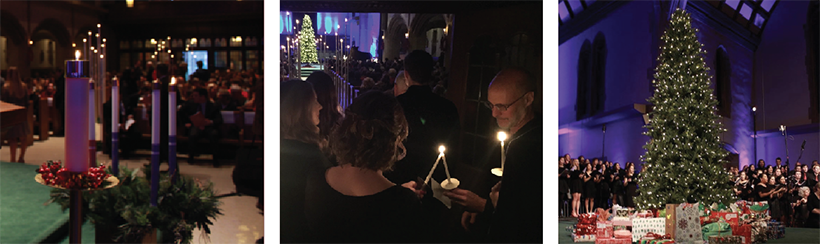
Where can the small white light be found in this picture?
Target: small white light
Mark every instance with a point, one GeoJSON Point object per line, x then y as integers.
{"type": "Point", "coordinates": [77, 55]}
{"type": "Point", "coordinates": [441, 149]}
{"type": "Point", "coordinates": [84, 40]}
{"type": "Point", "coordinates": [101, 55]}
{"type": "Point", "coordinates": [754, 109]}
{"type": "Point", "coordinates": [172, 56]}
{"type": "Point", "coordinates": [502, 136]}
{"type": "Point", "coordinates": [98, 25]}
{"type": "Point", "coordinates": [30, 42]}
{"type": "Point", "coordinates": [173, 80]}
{"type": "Point", "coordinates": [73, 44]}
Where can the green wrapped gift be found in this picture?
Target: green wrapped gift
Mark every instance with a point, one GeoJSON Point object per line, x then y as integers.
{"type": "Point", "coordinates": [717, 229]}
{"type": "Point", "coordinates": [726, 240]}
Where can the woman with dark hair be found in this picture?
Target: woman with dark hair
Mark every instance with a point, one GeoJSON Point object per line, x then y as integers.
{"type": "Point", "coordinates": [301, 153]}
{"type": "Point", "coordinates": [576, 186]}
{"type": "Point", "coordinates": [617, 187]}
{"type": "Point", "coordinates": [325, 90]}
{"type": "Point", "coordinates": [589, 188]}
{"type": "Point", "coordinates": [630, 185]}
{"type": "Point", "coordinates": [16, 92]}
{"type": "Point", "coordinates": [354, 202]}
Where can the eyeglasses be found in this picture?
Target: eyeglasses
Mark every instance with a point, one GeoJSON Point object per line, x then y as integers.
{"type": "Point", "coordinates": [501, 107]}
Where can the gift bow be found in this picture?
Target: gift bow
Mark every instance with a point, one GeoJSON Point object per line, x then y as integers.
{"type": "Point", "coordinates": [658, 236]}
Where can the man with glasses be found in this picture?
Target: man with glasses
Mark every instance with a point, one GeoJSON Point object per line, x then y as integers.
{"type": "Point", "coordinates": [515, 205]}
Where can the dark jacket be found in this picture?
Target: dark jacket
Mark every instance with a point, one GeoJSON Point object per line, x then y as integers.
{"type": "Point", "coordinates": [432, 121]}
{"type": "Point", "coordinates": [517, 216]}
{"type": "Point", "coordinates": [297, 161]}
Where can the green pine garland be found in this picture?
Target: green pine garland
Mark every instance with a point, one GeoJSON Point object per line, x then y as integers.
{"type": "Point", "coordinates": [684, 156]}
{"type": "Point", "coordinates": [307, 42]}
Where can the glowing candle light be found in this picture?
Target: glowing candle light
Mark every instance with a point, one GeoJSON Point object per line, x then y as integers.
{"type": "Point", "coordinates": [76, 116]}
{"type": "Point", "coordinates": [172, 128]}
{"type": "Point", "coordinates": [500, 171]}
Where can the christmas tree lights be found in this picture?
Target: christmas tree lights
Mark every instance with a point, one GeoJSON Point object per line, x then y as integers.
{"type": "Point", "coordinates": [307, 42]}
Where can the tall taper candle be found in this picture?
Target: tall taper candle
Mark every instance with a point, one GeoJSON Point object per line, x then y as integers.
{"type": "Point", "coordinates": [92, 139]}
{"type": "Point", "coordinates": [115, 126]}
{"type": "Point", "coordinates": [501, 137]}
{"type": "Point", "coordinates": [172, 129]}
{"type": "Point", "coordinates": [427, 179]}
{"type": "Point", "coordinates": [76, 116]}
{"type": "Point", "coordinates": [155, 120]}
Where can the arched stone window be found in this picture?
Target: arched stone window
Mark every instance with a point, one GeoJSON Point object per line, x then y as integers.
{"type": "Point", "coordinates": [723, 85]}
{"type": "Point", "coordinates": [582, 98]}
{"type": "Point", "coordinates": [598, 94]}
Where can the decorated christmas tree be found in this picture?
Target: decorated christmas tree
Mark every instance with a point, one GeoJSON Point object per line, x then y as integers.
{"type": "Point", "coordinates": [684, 156]}
{"type": "Point", "coordinates": [307, 43]}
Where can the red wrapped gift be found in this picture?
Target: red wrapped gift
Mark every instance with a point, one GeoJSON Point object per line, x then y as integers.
{"type": "Point", "coordinates": [612, 241]}
{"type": "Point", "coordinates": [587, 219]}
{"type": "Point", "coordinates": [743, 230]}
{"type": "Point", "coordinates": [585, 229]}
{"type": "Point", "coordinates": [604, 229]}
{"type": "Point", "coordinates": [731, 218]}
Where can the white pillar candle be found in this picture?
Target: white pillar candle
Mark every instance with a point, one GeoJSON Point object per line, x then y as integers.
{"type": "Point", "coordinates": [172, 108]}
{"type": "Point", "coordinates": [76, 116]}
{"type": "Point", "coordinates": [115, 125]}
{"type": "Point", "coordinates": [502, 137]}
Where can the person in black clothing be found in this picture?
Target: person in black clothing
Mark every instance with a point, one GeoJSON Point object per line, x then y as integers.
{"type": "Point", "coordinates": [200, 73]}
{"type": "Point", "coordinates": [576, 186]}
{"type": "Point", "coordinates": [602, 199]}
{"type": "Point", "coordinates": [301, 154]}
{"type": "Point", "coordinates": [563, 185]}
{"type": "Point", "coordinates": [589, 188]}
{"type": "Point", "coordinates": [433, 121]}
{"type": "Point", "coordinates": [354, 202]}
{"type": "Point", "coordinates": [616, 185]}
{"type": "Point", "coordinates": [515, 202]}
{"type": "Point", "coordinates": [329, 116]}
{"type": "Point", "coordinates": [213, 118]}
{"type": "Point", "coordinates": [630, 185]}
{"type": "Point", "coordinates": [762, 190]}
{"type": "Point", "coordinates": [813, 205]}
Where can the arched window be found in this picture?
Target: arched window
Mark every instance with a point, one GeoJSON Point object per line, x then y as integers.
{"type": "Point", "coordinates": [582, 99]}
{"type": "Point", "coordinates": [723, 85]}
{"type": "Point", "coordinates": [598, 93]}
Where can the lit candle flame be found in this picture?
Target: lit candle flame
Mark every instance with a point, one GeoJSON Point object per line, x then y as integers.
{"type": "Point", "coordinates": [173, 80]}
{"type": "Point", "coordinates": [441, 149]}
{"type": "Point", "coordinates": [84, 40]}
{"type": "Point", "coordinates": [502, 136]}
{"type": "Point", "coordinates": [77, 55]}
{"type": "Point", "coordinates": [98, 25]}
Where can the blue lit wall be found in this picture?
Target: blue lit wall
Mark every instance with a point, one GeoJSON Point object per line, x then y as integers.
{"type": "Point", "coordinates": [364, 32]}
{"type": "Point", "coordinates": [629, 58]}
{"type": "Point", "coordinates": [631, 32]}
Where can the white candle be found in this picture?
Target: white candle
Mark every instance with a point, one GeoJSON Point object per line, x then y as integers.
{"type": "Point", "coordinates": [501, 137]}
{"type": "Point", "coordinates": [427, 179]}
{"type": "Point", "coordinates": [76, 116]}
{"type": "Point", "coordinates": [443, 158]}
{"type": "Point", "coordinates": [172, 108]}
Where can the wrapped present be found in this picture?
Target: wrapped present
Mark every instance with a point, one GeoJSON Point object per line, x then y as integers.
{"type": "Point", "coordinates": [583, 238]}
{"type": "Point", "coordinates": [604, 229]}
{"type": "Point", "coordinates": [687, 225]}
{"type": "Point", "coordinates": [612, 241]}
{"type": "Point", "coordinates": [621, 222]}
{"type": "Point", "coordinates": [726, 240]}
{"type": "Point", "coordinates": [623, 234]}
{"type": "Point", "coordinates": [670, 219]}
{"type": "Point", "coordinates": [621, 227]}
{"type": "Point", "coordinates": [656, 241]}
{"type": "Point", "coordinates": [731, 218]}
{"type": "Point", "coordinates": [587, 219]}
{"type": "Point", "coordinates": [759, 229]}
{"type": "Point", "coordinates": [644, 214]}
{"type": "Point", "coordinates": [744, 231]}
{"type": "Point", "coordinates": [720, 229]}
{"type": "Point", "coordinates": [643, 226]}
{"type": "Point", "coordinates": [759, 208]}
{"type": "Point", "coordinates": [585, 229]}
{"type": "Point", "coordinates": [775, 230]}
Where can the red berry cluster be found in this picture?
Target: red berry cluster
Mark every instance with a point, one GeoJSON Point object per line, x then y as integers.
{"type": "Point", "coordinates": [54, 174]}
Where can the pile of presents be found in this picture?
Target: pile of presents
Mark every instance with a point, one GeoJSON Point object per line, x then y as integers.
{"type": "Point", "coordinates": [740, 223]}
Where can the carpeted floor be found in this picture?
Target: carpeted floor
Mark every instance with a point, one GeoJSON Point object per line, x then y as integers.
{"type": "Point", "coordinates": [23, 217]}
{"type": "Point", "coordinates": [793, 235]}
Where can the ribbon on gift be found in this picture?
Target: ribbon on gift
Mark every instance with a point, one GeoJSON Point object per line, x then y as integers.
{"type": "Point", "coordinates": [604, 230]}
{"type": "Point", "coordinates": [588, 218]}
{"type": "Point", "coordinates": [726, 240]}
{"type": "Point", "coordinates": [654, 236]}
